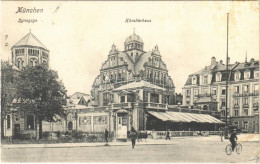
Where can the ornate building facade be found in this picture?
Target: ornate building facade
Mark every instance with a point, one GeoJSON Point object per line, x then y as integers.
{"type": "Point", "coordinates": [206, 89]}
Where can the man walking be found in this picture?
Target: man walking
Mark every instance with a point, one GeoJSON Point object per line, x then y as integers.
{"type": "Point", "coordinates": [168, 135]}
{"type": "Point", "coordinates": [221, 134]}
{"type": "Point", "coordinates": [133, 135]}
{"type": "Point", "coordinates": [106, 136]}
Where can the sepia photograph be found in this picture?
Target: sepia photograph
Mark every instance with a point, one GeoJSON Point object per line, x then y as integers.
{"type": "Point", "coordinates": [130, 82]}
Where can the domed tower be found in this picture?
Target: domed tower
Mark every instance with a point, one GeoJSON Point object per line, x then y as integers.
{"type": "Point", "coordinates": [29, 51]}
{"type": "Point", "coordinates": [134, 46]}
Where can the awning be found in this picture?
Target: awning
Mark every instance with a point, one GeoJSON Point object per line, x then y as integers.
{"type": "Point", "coordinates": [159, 116]}
{"type": "Point", "coordinates": [185, 117]}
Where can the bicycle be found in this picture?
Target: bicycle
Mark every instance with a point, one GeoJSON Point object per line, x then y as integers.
{"type": "Point", "coordinates": [238, 148]}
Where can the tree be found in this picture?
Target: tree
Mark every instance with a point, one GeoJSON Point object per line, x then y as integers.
{"type": "Point", "coordinates": [8, 90]}
{"type": "Point", "coordinates": [41, 93]}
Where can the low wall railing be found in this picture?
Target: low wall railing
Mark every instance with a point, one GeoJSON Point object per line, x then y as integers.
{"type": "Point", "coordinates": [162, 134]}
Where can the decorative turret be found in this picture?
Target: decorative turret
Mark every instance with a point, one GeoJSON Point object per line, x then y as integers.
{"type": "Point", "coordinates": [156, 51]}
{"type": "Point", "coordinates": [133, 42]}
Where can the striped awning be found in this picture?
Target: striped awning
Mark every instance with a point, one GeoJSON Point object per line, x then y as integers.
{"type": "Point", "coordinates": [185, 117]}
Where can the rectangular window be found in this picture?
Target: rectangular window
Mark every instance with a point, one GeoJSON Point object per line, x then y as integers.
{"type": "Point", "coordinates": [194, 81]}
{"type": "Point", "coordinates": [246, 88]}
{"type": "Point", "coordinates": [105, 99]}
{"type": "Point", "coordinates": [223, 91]}
{"type": "Point", "coordinates": [154, 98]}
{"type": "Point", "coordinates": [8, 121]}
{"type": "Point", "coordinates": [188, 93]}
{"type": "Point", "coordinates": [196, 92]}
{"type": "Point", "coordinates": [204, 91]}
{"type": "Point", "coordinates": [214, 91]}
{"type": "Point", "coordinates": [255, 101]}
{"type": "Point", "coordinates": [246, 112]}
{"type": "Point", "coordinates": [236, 101]}
{"type": "Point", "coordinates": [205, 79]}
{"type": "Point", "coordinates": [30, 122]}
{"type": "Point", "coordinates": [256, 88]}
{"type": "Point", "coordinates": [122, 99]}
{"type": "Point", "coordinates": [223, 113]}
{"type": "Point", "coordinates": [236, 89]}
{"type": "Point", "coordinates": [245, 125]}
{"type": "Point", "coordinates": [236, 112]}
{"type": "Point", "coordinates": [245, 101]}
{"type": "Point", "coordinates": [130, 98]}
{"type": "Point", "coordinates": [223, 102]}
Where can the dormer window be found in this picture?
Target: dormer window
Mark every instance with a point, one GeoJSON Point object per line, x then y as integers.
{"type": "Point", "coordinates": [218, 76]}
{"type": "Point", "coordinates": [247, 74]}
{"type": "Point", "coordinates": [256, 73]}
{"type": "Point", "coordinates": [237, 76]}
{"type": "Point", "coordinates": [205, 79]}
{"type": "Point", "coordinates": [194, 80]}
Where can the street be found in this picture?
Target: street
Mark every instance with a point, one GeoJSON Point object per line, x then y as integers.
{"type": "Point", "coordinates": [189, 149]}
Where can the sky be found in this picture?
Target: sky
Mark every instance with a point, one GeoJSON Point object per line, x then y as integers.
{"type": "Point", "coordinates": [80, 34]}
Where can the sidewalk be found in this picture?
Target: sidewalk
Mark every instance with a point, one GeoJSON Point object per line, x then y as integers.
{"type": "Point", "coordinates": [148, 141]}
{"type": "Point", "coordinates": [96, 144]}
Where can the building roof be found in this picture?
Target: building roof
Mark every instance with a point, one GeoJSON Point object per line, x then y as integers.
{"type": "Point", "coordinates": [132, 38]}
{"type": "Point", "coordinates": [30, 40]}
{"type": "Point", "coordinates": [128, 60]}
{"type": "Point", "coordinates": [139, 84]}
{"type": "Point", "coordinates": [141, 61]}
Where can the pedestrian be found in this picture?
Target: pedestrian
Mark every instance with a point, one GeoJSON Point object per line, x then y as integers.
{"type": "Point", "coordinates": [221, 134]}
{"type": "Point", "coordinates": [168, 135]}
{"type": "Point", "coordinates": [133, 136]}
{"type": "Point", "coordinates": [106, 136]}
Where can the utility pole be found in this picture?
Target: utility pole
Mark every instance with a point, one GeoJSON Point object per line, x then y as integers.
{"type": "Point", "coordinates": [227, 72]}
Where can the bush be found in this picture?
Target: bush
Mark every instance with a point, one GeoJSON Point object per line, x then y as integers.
{"type": "Point", "coordinates": [78, 135]}
{"type": "Point", "coordinates": [45, 135]}
{"type": "Point", "coordinates": [58, 133]}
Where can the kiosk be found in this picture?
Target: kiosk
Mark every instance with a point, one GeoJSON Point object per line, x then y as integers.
{"type": "Point", "coordinates": [121, 133]}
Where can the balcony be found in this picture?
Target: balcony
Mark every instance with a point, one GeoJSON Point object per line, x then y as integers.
{"type": "Point", "coordinates": [245, 105]}
{"type": "Point", "coordinates": [120, 105]}
{"type": "Point", "coordinates": [236, 106]}
{"type": "Point", "coordinates": [156, 106]}
{"type": "Point", "coordinates": [204, 95]}
{"type": "Point", "coordinates": [246, 94]}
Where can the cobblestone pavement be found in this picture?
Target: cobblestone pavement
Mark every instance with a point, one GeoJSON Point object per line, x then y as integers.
{"type": "Point", "coordinates": [180, 149]}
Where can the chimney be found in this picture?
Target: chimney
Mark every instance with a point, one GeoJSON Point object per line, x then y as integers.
{"type": "Point", "coordinates": [213, 60]}
{"type": "Point", "coordinates": [221, 61]}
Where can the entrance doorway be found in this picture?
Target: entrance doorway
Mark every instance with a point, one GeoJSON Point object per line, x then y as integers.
{"type": "Point", "coordinates": [70, 126]}
{"type": "Point", "coordinates": [16, 130]}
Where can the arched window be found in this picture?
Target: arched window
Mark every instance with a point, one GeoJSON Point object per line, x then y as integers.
{"type": "Point", "coordinates": [31, 63]}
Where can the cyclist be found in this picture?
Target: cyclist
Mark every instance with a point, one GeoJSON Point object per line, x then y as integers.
{"type": "Point", "coordinates": [233, 139]}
